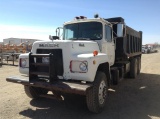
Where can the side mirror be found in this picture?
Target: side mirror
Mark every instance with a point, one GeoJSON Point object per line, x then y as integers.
{"type": "Point", "coordinates": [53, 37]}
{"type": "Point", "coordinates": [120, 30]}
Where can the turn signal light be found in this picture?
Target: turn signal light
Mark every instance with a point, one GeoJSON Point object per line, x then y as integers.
{"type": "Point", "coordinates": [95, 52]}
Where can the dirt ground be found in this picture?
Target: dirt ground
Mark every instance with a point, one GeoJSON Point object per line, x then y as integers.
{"type": "Point", "coordinates": [131, 99]}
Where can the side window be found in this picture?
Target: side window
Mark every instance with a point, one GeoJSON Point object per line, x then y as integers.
{"type": "Point", "coordinates": [108, 33]}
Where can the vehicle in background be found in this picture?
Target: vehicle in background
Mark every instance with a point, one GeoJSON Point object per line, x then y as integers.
{"type": "Point", "coordinates": [149, 49]}
{"type": "Point", "coordinates": [145, 49]}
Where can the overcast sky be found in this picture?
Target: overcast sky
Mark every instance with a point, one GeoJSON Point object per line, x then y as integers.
{"type": "Point", "coordinates": [37, 19]}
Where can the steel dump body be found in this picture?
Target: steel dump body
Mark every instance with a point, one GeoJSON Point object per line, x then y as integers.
{"type": "Point", "coordinates": [128, 46]}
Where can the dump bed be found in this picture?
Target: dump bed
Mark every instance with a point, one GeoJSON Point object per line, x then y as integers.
{"type": "Point", "coordinates": [131, 44]}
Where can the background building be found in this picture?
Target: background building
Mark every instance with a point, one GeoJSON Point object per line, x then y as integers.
{"type": "Point", "coordinates": [17, 45]}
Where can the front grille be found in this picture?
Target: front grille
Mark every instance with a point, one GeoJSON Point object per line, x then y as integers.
{"type": "Point", "coordinates": [45, 71]}
{"type": "Point", "coordinates": [58, 62]}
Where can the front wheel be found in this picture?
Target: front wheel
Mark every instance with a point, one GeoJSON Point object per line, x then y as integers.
{"type": "Point", "coordinates": [96, 95]}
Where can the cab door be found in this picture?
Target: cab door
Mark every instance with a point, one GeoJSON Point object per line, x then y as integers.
{"type": "Point", "coordinates": [108, 45]}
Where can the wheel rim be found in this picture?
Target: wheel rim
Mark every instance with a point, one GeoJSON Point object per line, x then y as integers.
{"type": "Point", "coordinates": [102, 92]}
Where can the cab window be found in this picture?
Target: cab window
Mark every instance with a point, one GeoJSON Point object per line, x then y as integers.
{"type": "Point", "coordinates": [108, 33]}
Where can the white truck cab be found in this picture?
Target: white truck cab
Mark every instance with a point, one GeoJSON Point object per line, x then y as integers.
{"type": "Point", "coordinates": [81, 38]}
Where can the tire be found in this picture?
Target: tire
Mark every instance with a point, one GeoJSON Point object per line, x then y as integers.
{"type": "Point", "coordinates": [96, 95]}
{"type": "Point", "coordinates": [34, 92]}
{"type": "Point", "coordinates": [115, 77]}
{"type": "Point", "coordinates": [133, 68]}
{"type": "Point", "coordinates": [138, 65]}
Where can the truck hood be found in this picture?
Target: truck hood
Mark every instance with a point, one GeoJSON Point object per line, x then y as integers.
{"type": "Point", "coordinates": [68, 46]}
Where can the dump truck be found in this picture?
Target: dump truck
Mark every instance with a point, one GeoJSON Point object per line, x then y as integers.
{"type": "Point", "coordinates": [94, 54]}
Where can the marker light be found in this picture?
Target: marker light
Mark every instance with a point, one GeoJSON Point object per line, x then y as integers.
{"type": "Point", "coordinates": [95, 52]}
{"type": "Point", "coordinates": [77, 17]}
{"type": "Point", "coordinates": [94, 62]}
{"type": "Point", "coordinates": [82, 17]}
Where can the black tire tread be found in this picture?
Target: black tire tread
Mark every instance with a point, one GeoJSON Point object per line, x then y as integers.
{"type": "Point", "coordinates": [139, 65]}
{"type": "Point", "coordinates": [34, 92]}
{"type": "Point", "coordinates": [115, 77]}
{"type": "Point", "coordinates": [133, 68]}
{"type": "Point", "coordinates": [92, 96]}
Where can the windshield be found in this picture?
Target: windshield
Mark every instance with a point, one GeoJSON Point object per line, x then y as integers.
{"type": "Point", "coordinates": [83, 31]}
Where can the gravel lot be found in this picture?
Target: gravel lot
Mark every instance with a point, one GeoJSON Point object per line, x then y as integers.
{"type": "Point", "coordinates": [132, 99]}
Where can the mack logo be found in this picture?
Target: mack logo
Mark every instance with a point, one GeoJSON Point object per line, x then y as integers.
{"type": "Point", "coordinates": [49, 45]}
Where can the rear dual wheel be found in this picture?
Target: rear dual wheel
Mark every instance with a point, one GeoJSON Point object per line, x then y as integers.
{"type": "Point", "coordinates": [135, 67]}
{"type": "Point", "coordinates": [139, 65]}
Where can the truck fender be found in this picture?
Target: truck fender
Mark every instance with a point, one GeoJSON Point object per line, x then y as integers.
{"type": "Point", "coordinates": [104, 67]}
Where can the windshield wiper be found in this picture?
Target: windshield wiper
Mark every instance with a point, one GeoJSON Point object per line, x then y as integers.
{"type": "Point", "coordinates": [96, 38]}
{"type": "Point", "coordinates": [84, 39]}
{"type": "Point", "coordinates": [81, 38]}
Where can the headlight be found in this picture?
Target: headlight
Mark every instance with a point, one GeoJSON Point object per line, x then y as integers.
{"type": "Point", "coordinates": [78, 66]}
{"type": "Point", "coordinates": [23, 62]}
{"type": "Point", "coordinates": [83, 66]}
{"type": "Point", "coordinates": [45, 60]}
